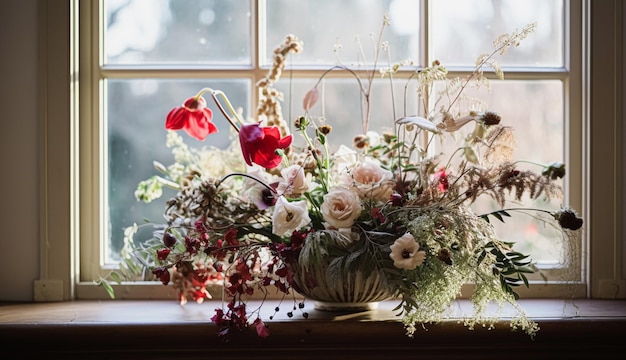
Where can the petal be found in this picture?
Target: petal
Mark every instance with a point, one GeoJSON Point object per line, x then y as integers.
{"type": "Point", "coordinates": [310, 99]}
{"type": "Point", "coordinates": [175, 119]}
{"type": "Point", "coordinates": [285, 142]}
{"type": "Point", "coordinates": [199, 124]}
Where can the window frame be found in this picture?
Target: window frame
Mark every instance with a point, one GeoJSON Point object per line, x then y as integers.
{"type": "Point", "coordinates": [69, 202]}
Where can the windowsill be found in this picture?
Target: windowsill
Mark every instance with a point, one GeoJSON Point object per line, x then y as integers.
{"type": "Point", "coordinates": [164, 329]}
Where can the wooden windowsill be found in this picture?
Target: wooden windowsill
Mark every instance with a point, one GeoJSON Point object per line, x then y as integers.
{"type": "Point", "coordinates": [163, 329]}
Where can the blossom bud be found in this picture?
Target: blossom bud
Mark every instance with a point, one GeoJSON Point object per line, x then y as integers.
{"type": "Point", "coordinates": [169, 240]}
{"type": "Point", "coordinates": [310, 99]}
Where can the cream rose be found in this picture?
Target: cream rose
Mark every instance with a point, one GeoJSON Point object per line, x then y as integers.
{"type": "Point", "coordinates": [289, 216]}
{"type": "Point", "coordinates": [341, 207]}
{"type": "Point", "coordinates": [371, 181]}
{"type": "Point", "coordinates": [405, 253]}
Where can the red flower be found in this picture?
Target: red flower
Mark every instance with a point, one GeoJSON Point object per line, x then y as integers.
{"type": "Point", "coordinates": [259, 144]}
{"type": "Point", "coordinates": [194, 117]}
{"type": "Point", "coordinates": [441, 179]}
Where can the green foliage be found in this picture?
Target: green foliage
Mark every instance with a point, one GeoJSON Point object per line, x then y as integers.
{"type": "Point", "coordinates": [510, 267]}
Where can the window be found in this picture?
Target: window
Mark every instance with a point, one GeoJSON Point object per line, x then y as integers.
{"type": "Point", "coordinates": [140, 58]}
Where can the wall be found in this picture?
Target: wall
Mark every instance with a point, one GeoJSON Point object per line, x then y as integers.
{"type": "Point", "coordinates": [19, 168]}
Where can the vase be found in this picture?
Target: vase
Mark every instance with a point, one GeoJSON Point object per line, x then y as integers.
{"type": "Point", "coordinates": [349, 291]}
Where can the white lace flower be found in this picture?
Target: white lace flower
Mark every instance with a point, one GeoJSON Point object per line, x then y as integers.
{"type": "Point", "coordinates": [405, 253]}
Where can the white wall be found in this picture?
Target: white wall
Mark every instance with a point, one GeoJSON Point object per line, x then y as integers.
{"type": "Point", "coordinates": [19, 169]}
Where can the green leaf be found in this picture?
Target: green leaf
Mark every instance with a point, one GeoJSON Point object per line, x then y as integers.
{"type": "Point", "coordinates": [116, 277]}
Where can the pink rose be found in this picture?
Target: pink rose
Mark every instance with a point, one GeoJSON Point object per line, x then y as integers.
{"type": "Point", "coordinates": [371, 181]}
{"type": "Point", "coordinates": [341, 207]}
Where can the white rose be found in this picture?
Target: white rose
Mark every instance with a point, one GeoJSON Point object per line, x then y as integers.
{"type": "Point", "coordinates": [341, 207]}
{"type": "Point", "coordinates": [289, 216]}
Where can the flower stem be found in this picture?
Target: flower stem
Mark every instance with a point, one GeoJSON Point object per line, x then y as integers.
{"type": "Point", "coordinates": [214, 94]}
{"type": "Point", "coordinates": [249, 177]}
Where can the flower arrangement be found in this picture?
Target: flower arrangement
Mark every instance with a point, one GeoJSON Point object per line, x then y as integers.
{"type": "Point", "coordinates": [385, 213]}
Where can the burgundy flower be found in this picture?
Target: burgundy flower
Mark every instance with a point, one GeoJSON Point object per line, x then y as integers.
{"type": "Point", "coordinates": [259, 144]}
{"type": "Point", "coordinates": [261, 328]}
{"type": "Point", "coordinates": [194, 117]}
{"type": "Point", "coordinates": [163, 274]}
{"type": "Point", "coordinates": [162, 253]}
{"type": "Point", "coordinates": [169, 240]}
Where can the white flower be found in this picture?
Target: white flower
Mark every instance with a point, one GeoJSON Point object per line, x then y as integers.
{"type": "Point", "coordinates": [344, 158]}
{"type": "Point", "coordinates": [258, 192]}
{"type": "Point", "coordinates": [289, 216]}
{"type": "Point", "coordinates": [294, 182]}
{"type": "Point", "coordinates": [405, 253]}
{"type": "Point", "coordinates": [341, 207]}
{"type": "Point", "coordinates": [370, 181]}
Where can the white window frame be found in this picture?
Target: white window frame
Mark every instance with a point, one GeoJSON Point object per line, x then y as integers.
{"type": "Point", "coordinates": [70, 197]}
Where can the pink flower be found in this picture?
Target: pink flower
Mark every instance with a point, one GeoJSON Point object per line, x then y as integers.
{"type": "Point", "coordinates": [261, 329]}
{"type": "Point", "coordinates": [370, 181]}
{"type": "Point", "coordinates": [259, 144]}
{"type": "Point", "coordinates": [194, 117]}
{"type": "Point", "coordinates": [341, 207]}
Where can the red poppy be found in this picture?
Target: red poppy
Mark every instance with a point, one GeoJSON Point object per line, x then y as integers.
{"type": "Point", "coordinates": [259, 144]}
{"type": "Point", "coordinates": [194, 117]}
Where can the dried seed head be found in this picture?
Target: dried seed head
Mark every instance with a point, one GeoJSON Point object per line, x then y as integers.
{"type": "Point", "coordinates": [325, 129]}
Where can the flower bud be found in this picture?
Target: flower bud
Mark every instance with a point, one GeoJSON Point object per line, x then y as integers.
{"type": "Point", "coordinates": [310, 99]}
{"type": "Point", "coordinates": [169, 240]}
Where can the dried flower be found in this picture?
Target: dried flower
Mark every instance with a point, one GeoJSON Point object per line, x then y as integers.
{"type": "Point", "coordinates": [568, 219]}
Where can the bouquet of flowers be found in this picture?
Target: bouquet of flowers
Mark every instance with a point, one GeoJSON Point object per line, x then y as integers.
{"type": "Point", "coordinates": [385, 213]}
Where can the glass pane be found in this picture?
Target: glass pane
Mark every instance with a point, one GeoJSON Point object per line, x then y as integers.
{"type": "Point", "coordinates": [460, 30]}
{"type": "Point", "coordinates": [340, 106]}
{"type": "Point", "coordinates": [136, 111]}
{"type": "Point", "coordinates": [143, 32]}
{"type": "Point", "coordinates": [535, 111]}
{"type": "Point", "coordinates": [331, 25]}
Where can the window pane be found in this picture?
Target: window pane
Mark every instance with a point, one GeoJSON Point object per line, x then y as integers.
{"type": "Point", "coordinates": [329, 23]}
{"type": "Point", "coordinates": [142, 32]}
{"type": "Point", "coordinates": [460, 30]}
{"type": "Point", "coordinates": [340, 106]}
{"type": "Point", "coordinates": [136, 110]}
{"type": "Point", "coordinates": [534, 109]}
